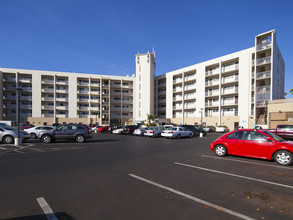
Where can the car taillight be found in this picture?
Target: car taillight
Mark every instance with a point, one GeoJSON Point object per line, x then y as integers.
{"type": "Point", "coordinates": [152, 132]}
{"type": "Point", "coordinates": [145, 131]}
{"type": "Point", "coordinates": [88, 130]}
{"type": "Point", "coordinates": [140, 130]}
{"type": "Point", "coordinates": [128, 129]}
{"type": "Point", "coordinates": [172, 132]}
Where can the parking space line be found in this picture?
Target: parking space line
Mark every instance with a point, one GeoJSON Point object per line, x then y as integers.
{"type": "Point", "coordinates": [46, 209]}
{"type": "Point", "coordinates": [195, 199]}
{"type": "Point", "coordinates": [3, 148]}
{"type": "Point", "coordinates": [234, 175]}
{"type": "Point", "coordinates": [241, 161]}
{"type": "Point", "coordinates": [36, 149]}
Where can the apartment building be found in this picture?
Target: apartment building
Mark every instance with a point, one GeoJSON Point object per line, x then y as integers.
{"type": "Point", "coordinates": [58, 97]}
{"type": "Point", "coordinates": [232, 90]}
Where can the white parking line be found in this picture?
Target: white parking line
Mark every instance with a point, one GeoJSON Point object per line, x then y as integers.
{"type": "Point", "coordinates": [46, 209]}
{"type": "Point", "coordinates": [241, 161]}
{"type": "Point", "coordinates": [3, 148]}
{"type": "Point", "coordinates": [234, 175]}
{"type": "Point", "coordinates": [192, 198]}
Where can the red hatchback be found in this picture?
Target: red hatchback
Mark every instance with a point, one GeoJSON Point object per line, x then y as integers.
{"type": "Point", "coordinates": [254, 143]}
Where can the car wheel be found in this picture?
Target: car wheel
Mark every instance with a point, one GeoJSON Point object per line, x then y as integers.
{"type": "Point", "coordinates": [283, 157]}
{"type": "Point", "coordinates": [8, 139]}
{"type": "Point", "coordinates": [178, 136]}
{"type": "Point", "coordinates": [46, 139]}
{"type": "Point", "coordinates": [190, 135]}
{"type": "Point", "coordinates": [33, 135]}
{"type": "Point", "coordinates": [221, 150]}
{"type": "Point", "coordinates": [79, 138]}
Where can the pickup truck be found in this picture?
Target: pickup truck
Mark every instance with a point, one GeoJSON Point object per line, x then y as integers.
{"type": "Point", "coordinates": [284, 131]}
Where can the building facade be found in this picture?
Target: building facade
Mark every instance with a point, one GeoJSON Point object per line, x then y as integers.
{"type": "Point", "coordinates": [232, 90]}
{"type": "Point", "coordinates": [58, 97]}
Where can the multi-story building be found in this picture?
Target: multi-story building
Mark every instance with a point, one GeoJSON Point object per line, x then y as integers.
{"type": "Point", "coordinates": [58, 97]}
{"type": "Point", "coordinates": [231, 90]}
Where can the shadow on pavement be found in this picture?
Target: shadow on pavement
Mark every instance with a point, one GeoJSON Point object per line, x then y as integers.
{"type": "Point", "coordinates": [59, 216]}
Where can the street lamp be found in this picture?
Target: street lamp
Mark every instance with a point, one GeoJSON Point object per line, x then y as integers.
{"type": "Point", "coordinates": [18, 140]}
{"type": "Point", "coordinates": [201, 133]}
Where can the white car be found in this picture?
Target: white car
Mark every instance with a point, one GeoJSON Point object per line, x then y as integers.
{"type": "Point", "coordinates": [222, 129]}
{"type": "Point", "coordinates": [140, 131]}
{"type": "Point", "coordinates": [176, 132]}
{"type": "Point", "coordinates": [153, 131]}
{"type": "Point", "coordinates": [35, 131]}
{"type": "Point", "coordinates": [117, 131]}
{"type": "Point", "coordinates": [7, 134]}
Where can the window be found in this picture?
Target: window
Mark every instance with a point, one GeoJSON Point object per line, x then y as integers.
{"type": "Point", "coordinates": [253, 136]}
{"type": "Point", "coordinates": [235, 135]}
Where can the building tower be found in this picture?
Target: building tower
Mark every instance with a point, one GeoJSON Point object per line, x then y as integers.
{"type": "Point", "coordinates": [145, 86]}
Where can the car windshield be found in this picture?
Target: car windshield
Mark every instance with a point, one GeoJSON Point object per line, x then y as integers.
{"type": "Point", "coordinates": [6, 126]}
{"type": "Point", "coordinates": [171, 129]}
{"type": "Point", "coordinates": [276, 137]}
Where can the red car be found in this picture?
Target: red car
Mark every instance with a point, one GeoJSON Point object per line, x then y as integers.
{"type": "Point", "coordinates": [254, 143]}
{"type": "Point", "coordinates": [103, 129]}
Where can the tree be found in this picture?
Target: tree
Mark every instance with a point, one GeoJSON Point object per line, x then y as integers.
{"type": "Point", "coordinates": [291, 91]}
{"type": "Point", "coordinates": [151, 120]}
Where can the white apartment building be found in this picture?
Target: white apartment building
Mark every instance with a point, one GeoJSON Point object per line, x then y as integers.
{"type": "Point", "coordinates": [57, 97]}
{"type": "Point", "coordinates": [231, 90]}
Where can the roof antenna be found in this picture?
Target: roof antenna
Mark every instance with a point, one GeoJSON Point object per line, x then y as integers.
{"type": "Point", "coordinates": [154, 52]}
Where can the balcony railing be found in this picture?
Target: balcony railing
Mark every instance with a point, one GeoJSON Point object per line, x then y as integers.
{"type": "Point", "coordinates": [48, 115]}
{"type": "Point", "coordinates": [263, 46]}
{"type": "Point", "coordinates": [263, 89]}
{"type": "Point", "coordinates": [47, 90]}
{"type": "Point", "coordinates": [228, 80]}
{"type": "Point", "coordinates": [47, 81]}
{"type": "Point", "coordinates": [234, 102]}
{"type": "Point", "coordinates": [212, 93]}
{"type": "Point", "coordinates": [229, 68]}
{"type": "Point", "coordinates": [212, 104]}
{"type": "Point", "coordinates": [262, 75]}
{"type": "Point", "coordinates": [263, 60]}
{"type": "Point", "coordinates": [229, 91]}
{"type": "Point", "coordinates": [48, 107]}
{"type": "Point", "coordinates": [212, 83]}
{"type": "Point", "coordinates": [48, 98]}
{"type": "Point", "coordinates": [212, 72]}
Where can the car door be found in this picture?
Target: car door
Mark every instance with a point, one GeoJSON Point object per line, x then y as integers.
{"type": "Point", "coordinates": [61, 132]}
{"type": "Point", "coordinates": [254, 144]}
{"type": "Point", "coordinates": [1, 133]}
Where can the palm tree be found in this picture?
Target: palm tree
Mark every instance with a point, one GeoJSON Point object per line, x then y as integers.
{"type": "Point", "coordinates": [291, 91]}
{"type": "Point", "coordinates": [151, 120]}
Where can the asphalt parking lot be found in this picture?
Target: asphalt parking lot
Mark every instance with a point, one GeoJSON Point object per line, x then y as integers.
{"type": "Point", "coordinates": [128, 177]}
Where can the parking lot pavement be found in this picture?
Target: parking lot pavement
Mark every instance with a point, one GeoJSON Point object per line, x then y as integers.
{"type": "Point", "coordinates": [127, 177]}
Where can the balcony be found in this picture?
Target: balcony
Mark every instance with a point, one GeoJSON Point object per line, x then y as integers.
{"type": "Point", "coordinates": [229, 91]}
{"type": "Point", "coordinates": [62, 82]}
{"type": "Point", "coordinates": [177, 89]}
{"type": "Point", "coordinates": [45, 98]}
{"type": "Point", "coordinates": [162, 84]}
{"type": "Point", "coordinates": [9, 88]}
{"type": "Point", "coordinates": [61, 91]}
{"type": "Point", "coordinates": [262, 61]}
{"type": "Point", "coordinates": [47, 106]}
{"type": "Point", "coordinates": [47, 90]}
{"type": "Point", "coordinates": [60, 107]}
{"type": "Point", "coordinates": [26, 106]}
{"type": "Point", "coordinates": [47, 81]}
{"type": "Point", "coordinates": [261, 104]}
{"type": "Point", "coordinates": [212, 83]}
{"type": "Point", "coordinates": [190, 106]}
{"type": "Point", "coordinates": [230, 79]}
{"type": "Point", "coordinates": [29, 98]}
{"type": "Point", "coordinates": [178, 80]}
{"type": "Point", "coordinates": [9, 79]}
{"type": "Point", "coordinates": [84, 99]}
{"type": "Point", "coordinates": [211, 93]}
{"type": "Point", "coordinates": [212, 72]}
{"type": "Point", "coordinates": [229, 113]}
{"type": "Point", "coordinates": [25, 80]}
{"type": "Point", "coordinates": [190, 78]}
{"type": "Point", "coordinates": [263, 75]}
{"type": "Point", "coordinates": [83, 83]}
{"type": "Point", "coordinates": [61, 115]}
{"type": "Point", "coordinates": [230, 102]}
{"type": "Point", "coordinates": [83, 91]}
{"type": "Point", "coordinates": [47, 115]}
{"type": "Point", "coordinates": [263, 46]}
{"type": "Point", "coordinates": [61, 99]}
{"type": "Point", "coordinates": [263, 89]}
{"type": "Point", "coordinates": [189, 87]}
{"type": "Point", "coordinates": [83, 108]}
{"type": "Point", "coordinates": [230, 68]}
{"type": "Point", "coordinates": [212, 104]}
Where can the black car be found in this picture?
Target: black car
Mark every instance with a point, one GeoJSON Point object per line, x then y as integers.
{"type": "Point", "coordinates": [129, 129]}
{"type": "Point", "coordinates": [77, 132]}
{"type": "Point", "coordinates": [194, 129]}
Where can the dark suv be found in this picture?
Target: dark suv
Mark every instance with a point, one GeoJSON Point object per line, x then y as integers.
{"type": "Point", "coordinates": [77, 132]}
{"type": "Point", "coordinates": [129, 129]}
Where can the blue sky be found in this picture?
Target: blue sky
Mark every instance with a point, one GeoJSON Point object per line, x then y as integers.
{"type": "Point", "coordinates": [102, 37]}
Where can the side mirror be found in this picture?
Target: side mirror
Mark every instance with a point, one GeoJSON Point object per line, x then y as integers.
{"type": "Point", "coordinates": [269, 139]}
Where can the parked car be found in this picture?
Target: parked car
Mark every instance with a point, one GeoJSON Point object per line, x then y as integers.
{"type": "Point", "coordinates": [139, 131]}
{"type": "Point", "coordinates": [92, 126]}
{"type": "Point", "coordinates": [283, 131]}
{"type": "Point", "coordinates": [129, 129]}
{"type": "Point", "coordinates": [254, 143]}
{"type": "Point", "coordinates": [102, 129]}
{"type": "Point", "coordinates": [176, 132]}
{"type": "Point", "coordinates": [209, 129]}
{"type": "Point", "coordinates": [34, 131]}
{"type": "Point", "coordinates": [117, 131]}
{"type": "Point", "coordinates": [114, 127]}
{"type": "Point", "coordinates": [77, 132]}
{"type": "Point", "coordinates": [191, 128]}
{"type": "Point", "coordinates": [222, 129]}
{"type": "Point", "coordinates": [153, 131]}
{"type": "Point", "coordinates": [25, 126]}
{"type": "Point", "coordinates": [56, 124]}
{"type": "Point", "coordinates": [8, 134]}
